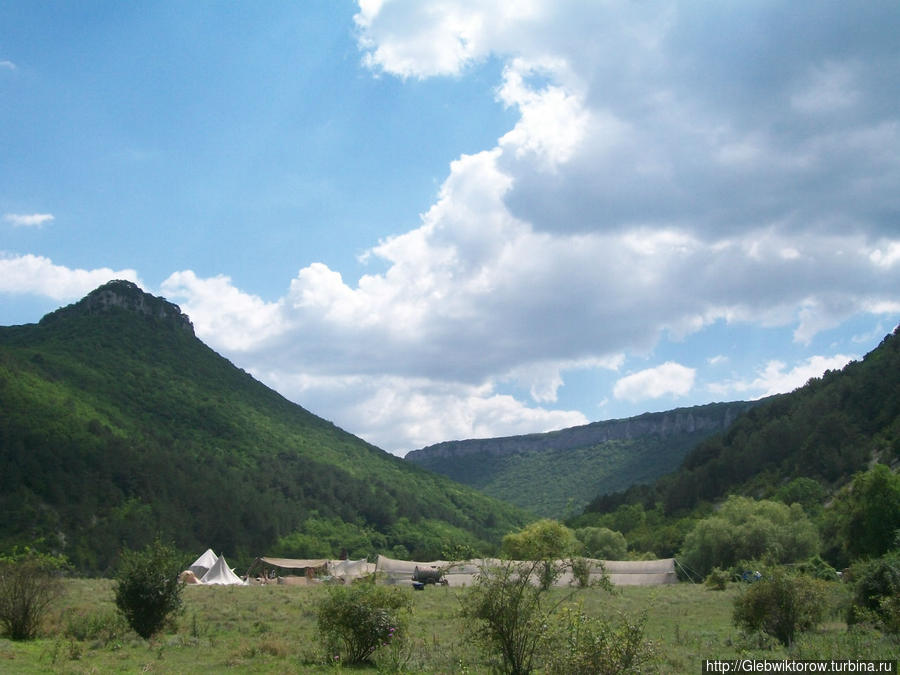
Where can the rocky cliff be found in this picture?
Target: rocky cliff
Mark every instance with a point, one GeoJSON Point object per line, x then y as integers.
{"type": "Point", "coordinates": [707, 419]}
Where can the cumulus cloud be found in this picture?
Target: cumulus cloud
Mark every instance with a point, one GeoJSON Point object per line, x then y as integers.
{"type": "Point", "coordinates": [669, 169]}
{"type": "Point", "coordinates": [776, 378]}
{"type": "Point", "coordinates": [28, 219]}
{"type": "Point", "coordinates": [31, 274]}
{"type": "Point", "coordinates": [668, 379]}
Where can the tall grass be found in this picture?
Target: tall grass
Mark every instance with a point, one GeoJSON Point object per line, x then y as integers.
{"type": "Point", "coordinates": [272, 629]}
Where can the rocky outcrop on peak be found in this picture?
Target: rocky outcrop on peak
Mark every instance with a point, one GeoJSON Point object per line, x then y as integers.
{"type": "Point", "coordinates": [120, 294]}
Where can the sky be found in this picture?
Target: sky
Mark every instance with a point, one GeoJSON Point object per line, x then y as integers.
{"type": "Point", "coordinates": [428, 221]}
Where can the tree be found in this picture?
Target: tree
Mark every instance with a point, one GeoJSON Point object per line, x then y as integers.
{"type": "Point", "coordinates": [29, 583]}
{"type": "Point", "coordinates": [603, 543]}
{"type": "Point", "coordinates": [873, 513]}
{"type": "Point", "coordinates": [544, 541]}
{"type": "Point", "coordinates": [148, 590]}
{"type": "Point", "coordinates": [746, 529]}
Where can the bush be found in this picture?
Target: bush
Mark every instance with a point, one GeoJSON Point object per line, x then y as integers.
{"type": "Point", "coordinates": [717, 580]}
{"type": "Point", "coordinates": [506, 613]}
{"type": "Point", "coordinates": [781, 605]}
{"type": "Point", "coordinates": [580, 644]}
{"type": "Point", "coordinates": [29, 583]}
{"type": "Point", "coordinates": [876, 591]}
{"type": "Point", "coordinates": [356, 620]}
{"type": "Point", "coordinates": [148, 590]}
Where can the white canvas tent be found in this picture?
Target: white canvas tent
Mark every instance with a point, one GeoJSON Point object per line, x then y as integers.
{"type": "Point", "coordinates": [221, 575]}
{"type": "Point", "coordinates": [204, 563]}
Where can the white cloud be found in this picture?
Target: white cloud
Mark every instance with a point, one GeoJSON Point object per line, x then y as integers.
{"type": "Point", "coordinates": [776, 378]}
{"type": "Point", "coordinates": [670, 378]}
{"type": "Point", "coordinates": [402, 414]}
{"type": "Point", "coordinates": [7, 65]}
{"type": "Point", "coordinates": [31, 274]}
{"type": "Point", "coordinates": [28, 219]}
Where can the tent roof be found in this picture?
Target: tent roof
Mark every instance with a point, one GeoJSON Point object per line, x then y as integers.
{"type": "Point", "coordinates": [220, 574]}
{"type": "Point", "coordinates": [294, 563]}
{"type": "Point", "coordinates": [207, 560]}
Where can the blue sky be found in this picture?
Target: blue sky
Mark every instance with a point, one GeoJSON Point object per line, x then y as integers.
{"type": "Point", "coordinates": [427, 221]}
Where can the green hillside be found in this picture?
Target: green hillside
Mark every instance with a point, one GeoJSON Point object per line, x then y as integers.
{"type": "Point", "coordinates": [117, 423]}
{"type": "Point", "coordinates": [558, 473]}
{"type": "Point", "coordinates": [803, 447]}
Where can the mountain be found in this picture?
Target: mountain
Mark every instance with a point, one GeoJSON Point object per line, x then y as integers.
{"type": "Point", "coordinates": [557, 473]}
{"type": "Point", "coordinates": [117, 424]}
{"type": "Point", "coordinates": [804, 445]}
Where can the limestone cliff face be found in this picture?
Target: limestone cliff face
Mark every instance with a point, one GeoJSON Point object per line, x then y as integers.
{"type": "Point", "coordinates": [709, 418]}
{"type": "Point", "coordinates": [128, 296]}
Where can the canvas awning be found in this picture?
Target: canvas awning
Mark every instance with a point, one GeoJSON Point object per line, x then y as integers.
{"type": "Point", "coordinates": [294, 563]}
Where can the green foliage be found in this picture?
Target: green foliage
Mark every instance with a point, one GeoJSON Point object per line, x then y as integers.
{"type": "Point", "coordinates": [864, 518]}
{"type": "Point", "coordinates": [602, 543]}
{"type": "Point", "coordinates": [578, 644]}
{"type": "Point", "coordinates": [807, 492]}
{"type": "Point", "coordinates": [746, 529]}
{"type": "Point", "coordinates": [29, 584]}
{"type": "Point", "coordinates": [824, 432]}
{"type": "Point", "coordinates": [506, 613]}
{"type": "Point", "coordinates": [555, 475]}
{"type": "Point", "coordinates": [545, 541]}
{"type": "Point", "coordinates": [876, 592]}
{"type": "Point", "coordinates": [717, 579]}
{"type": "Point", "coordinates": [355, 621]}
{"type": "Point", "coordinates": [781, 605]}
{"type": "Point", "coordinates": [148, 590]}
{"type": "Point", "coordinates": [118, 426]}
{"type": "Point", "coordinates": [541, 540]}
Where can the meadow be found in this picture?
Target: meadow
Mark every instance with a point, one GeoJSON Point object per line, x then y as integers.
{"type": "Point", "coordinates": [272, 629]}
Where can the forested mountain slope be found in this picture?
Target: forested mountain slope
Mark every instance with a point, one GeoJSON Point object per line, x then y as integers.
{"type": "Point", "coordinates": [826, 431]}
{"type": "Point", "coordinates": [555, 474]}
{"type": "Point", "coordinates": [117, 423]}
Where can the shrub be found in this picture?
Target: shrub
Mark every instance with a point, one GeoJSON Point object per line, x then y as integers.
{"type": "Point", "coordinates": [581, 571]}
{"type": "Point", "coordinates": [876, 591]}
{"type": "Point", "coordinates": [781, 605]}
{"type": "Point", "coordinates": [354, 621]}
{"type": "Point", "coordinates": [580, 644]}
{"type": "Point", "coordinates": [29, 583]}
{"type": "Point", "coordinates": [717, 580]}
{"type": "Point", "coordinates": [507, 614]}
{"type": "Point", "coordinates": [148, 590]}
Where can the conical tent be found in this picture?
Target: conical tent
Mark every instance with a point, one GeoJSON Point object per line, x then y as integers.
{"type": "Point", "coordinates": [204, 563]}
{"type": "Point", "coordinates": [221, 575]}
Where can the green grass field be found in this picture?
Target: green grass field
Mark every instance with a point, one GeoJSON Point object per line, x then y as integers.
{"type": "Point", "coordinates": [272, 629]}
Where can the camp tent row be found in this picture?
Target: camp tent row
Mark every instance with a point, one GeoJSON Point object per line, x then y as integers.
{"type": "Point", "coordinates": [620, 572]}
{"type": "Point", "coordinates": [210, 569]}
